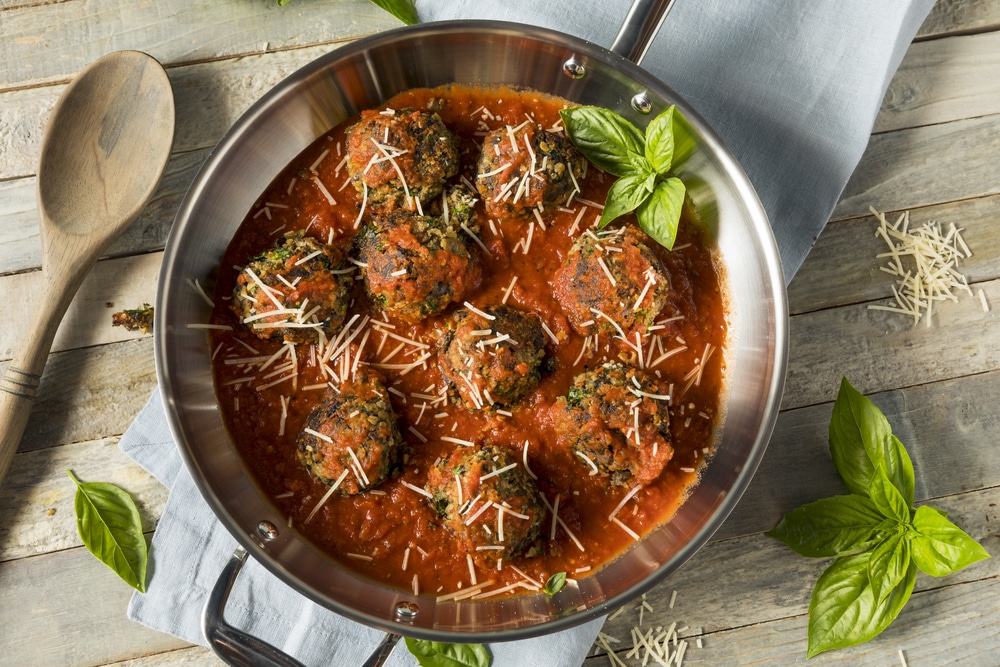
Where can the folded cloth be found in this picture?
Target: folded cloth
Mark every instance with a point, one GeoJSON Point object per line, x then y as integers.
{"type": "Point", "coordinates": [792, 88]}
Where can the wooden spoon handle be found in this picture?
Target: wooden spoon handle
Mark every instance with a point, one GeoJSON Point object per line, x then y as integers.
{"type": "Point", "coordinates": [20, 383]}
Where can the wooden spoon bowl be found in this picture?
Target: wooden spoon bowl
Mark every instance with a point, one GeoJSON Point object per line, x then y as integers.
{"type": "Point", "coordinates": [103, 153]}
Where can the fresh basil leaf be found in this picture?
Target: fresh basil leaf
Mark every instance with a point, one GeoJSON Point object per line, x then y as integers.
{"type": "Point", "coordinates": [660, 141]}
{"type": "Point", "coordinates": [861, 439]}
{"type": "Point", "coordinates": [554, 584]}
{"type": "Point", "coordinates": [441, 654]}
{"type": "Point", "coordinates": [641, 165]}
{"type": "Point", "coordinates": [404, 10]}
{"type": "Point", "coordinates": [899, 468]}
{"type": "Point", "coordinates": [940, 547]}
{"type": "Point", "coordinates": [625, 195]}
{"type": "Point", "coordinates": [604, 138]}
{"type": "Point", "coordinates": [843, 610]}
{"type": "Point", "coordinates": [836, 526]}
{"type": "Point", "coordinates": [888, 564]}
{"type": "Point", "coordinates": [660, 214]}
{"type": "Point", "coordinates": [887, 497]}
{"type": "Point", "coordinates": [109, 525]}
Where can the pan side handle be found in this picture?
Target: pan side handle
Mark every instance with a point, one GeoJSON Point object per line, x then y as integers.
{"type": "Point", "coordinates": [237, 648]}
{"type": "Point", "coordinates": [640, 27]}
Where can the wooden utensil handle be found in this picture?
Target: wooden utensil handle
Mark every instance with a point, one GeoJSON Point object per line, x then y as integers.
{"type": "Point", "coordinates": [20, 383]}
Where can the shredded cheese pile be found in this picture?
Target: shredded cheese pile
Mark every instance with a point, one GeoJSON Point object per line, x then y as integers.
{"type": "Point", "coordinates": [658, 645]}
{"type": "Point", "coordinates": [934, 253]}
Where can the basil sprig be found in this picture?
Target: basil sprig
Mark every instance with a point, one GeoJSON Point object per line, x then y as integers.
{"type": "Point", "coordinates": [441, 654]}
{"type": "Point", "coordinates": [641, 163]}
{"type": "Point", "coordinates": [877, 537]}
{"type": "Point", "coordinates": [109, 525]}
{"type": "Point", "coordinates": [404, 10]}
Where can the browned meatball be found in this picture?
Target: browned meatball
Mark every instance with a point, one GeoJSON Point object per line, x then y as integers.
{"type": "Point", "coordinates": [293, 291]}
{"type": "Point", "coordinates": [611, 275]}
{"type": "Point", "coordinates": [494, 515]}
{"type": "Point", "coordinates": [492, 361]}
{"type": "Point", "coordinates": [526, 167]}
{"type": "Point", "coordinates": [351, 438]}
{"type": "Point", "coordinates": [417, 265]}
{"type": "Point", "coordinates": [400, 155]}
{"type": "Point", "coordinates": [598, 420]}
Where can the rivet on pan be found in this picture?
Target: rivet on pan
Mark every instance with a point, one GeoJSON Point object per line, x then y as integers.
{"type": "Point", "coordinates": [641, 103]}
{"type": "Point", "coordinates": [574, 69]}
{"type": "Point", "coordinates": [267, 530]}
{"type": "Point", "coordinates": [407, 611]}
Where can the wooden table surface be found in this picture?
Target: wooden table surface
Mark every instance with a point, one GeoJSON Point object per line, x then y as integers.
{"type": "Point", "coordinates": [933, 152]}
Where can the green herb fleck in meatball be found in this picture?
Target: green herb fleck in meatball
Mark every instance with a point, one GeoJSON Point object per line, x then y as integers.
{"type": "Point", "coordinates": [399, 156]}
{"type": "Point", "coordinates": [417, 265]}
{"type": "Point", "coordinates": [351, 439]}
{"type": "Point", "coordinates": [611, 282]}
{"type": "Point", "coordinates": [598, 419]}
{"type": "Point", "coordinates": [293, 291]}
{"type": "Point", "coordinates": [527, 167]}
{"type": "Point", "coordinates": [493, 514]}
{"type": "Point", "coordinates": [494, 361]}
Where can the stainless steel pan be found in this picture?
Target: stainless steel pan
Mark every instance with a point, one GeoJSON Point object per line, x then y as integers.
{"type": "Point", "coordinates": [364, 74]}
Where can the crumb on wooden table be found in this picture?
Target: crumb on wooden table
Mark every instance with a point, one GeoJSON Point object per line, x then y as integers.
{"type": "Point", "coordinates": [138, 319]}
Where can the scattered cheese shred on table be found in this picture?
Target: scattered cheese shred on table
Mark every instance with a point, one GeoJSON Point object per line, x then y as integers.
{"type": "Point", "coordinates": [660, 645]}
{"type": "Point", "coordinates": [931, 273]}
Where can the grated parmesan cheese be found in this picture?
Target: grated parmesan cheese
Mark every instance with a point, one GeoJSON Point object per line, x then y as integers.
{"type": "Point", "coordinates": [930, 273]}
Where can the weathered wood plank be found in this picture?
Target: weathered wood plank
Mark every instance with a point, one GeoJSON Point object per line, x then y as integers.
{"type": "Point", "coordinates": [90, 393]}
{"type": "Point", "coordinates": [68, 609]}
{"type": "Point", "coordinates": [943, 80]}
{"type": "Point", "coordinates": [194, 656]}
{"type": "Point", "coordinates": [112, 285]}
{"type": "Point", "coordinates": [728, 584]}
{"type": "Point", "coordinates": [953, 625]}
{"type": "Point", "coordinates": [20, 246]}
{"type": "Point", "coordinates": [952, 17]}
{"type": "Point", "coordinates": [925, 165]}
{"type": "Point", "coordinates": [748, 581]}
{"type": "Point", "coordinates": [50, 43]}
{"type": "Point", "coordinates": [865, 346]}
{"type": "Point", "coordinates": [209, 98]}
{"type": "Point", "coordinates": [938, 81]}
{"type": "Point", "coordinates": [948, 427]}
{"type": "Point", "coordinates": [842, 267]}
{"type": "Point", "coordinates": [37, 495]}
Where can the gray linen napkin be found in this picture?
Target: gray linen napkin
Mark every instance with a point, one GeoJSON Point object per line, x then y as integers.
{"type": "Point", "coordinates": [791, 86]}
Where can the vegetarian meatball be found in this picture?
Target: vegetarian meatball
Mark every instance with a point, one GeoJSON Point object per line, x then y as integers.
{"type": "Point", "coordinates": [493, 514]}
{"type": "Point", "coordinates": [351, 440]}
{"type": "Point", "coordinates": [293, 291]}
{"type": "Point", "coordinates": [416, 265]}
{"type": "Point", "coordinates": [492, 361]}
{"type": "Point", "coordinates": [400, 155]}
{"type": "Point", "coordinates": [526, 167]}
{"type": "Point", "coordinates": [611, 278]}
{"type": "Point", "coordinates": [616, 421]}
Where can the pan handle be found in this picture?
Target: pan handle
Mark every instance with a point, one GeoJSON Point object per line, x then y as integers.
{"type": "Point", "coordinates": [641, 24]}
{"type": "Point", "coordinates": [237, 648]}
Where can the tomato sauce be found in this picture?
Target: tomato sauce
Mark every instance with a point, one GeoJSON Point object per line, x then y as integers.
{"type": "Point", "coordinates": [392, 534]}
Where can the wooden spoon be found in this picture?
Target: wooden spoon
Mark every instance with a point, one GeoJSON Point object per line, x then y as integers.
{"type": "Point", "coordinates": [103, 153]}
